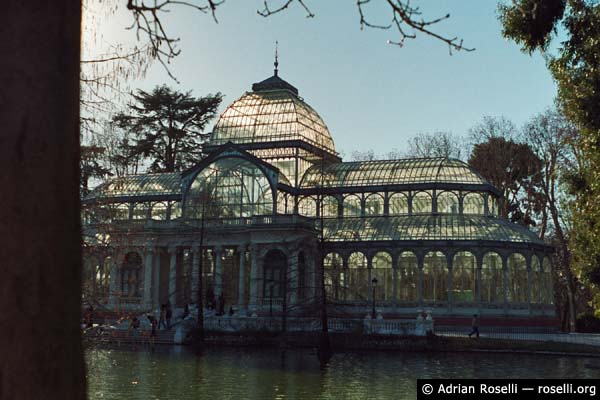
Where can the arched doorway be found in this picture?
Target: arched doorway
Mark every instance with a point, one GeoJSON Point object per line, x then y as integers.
{"type": "Point", "coordinates": [274, 277]}
{"type": "Point", "coordinates": [131, 275]}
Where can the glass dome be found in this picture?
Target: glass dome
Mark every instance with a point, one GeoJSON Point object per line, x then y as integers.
{"type": "Point", "coordinates": [271, 113]}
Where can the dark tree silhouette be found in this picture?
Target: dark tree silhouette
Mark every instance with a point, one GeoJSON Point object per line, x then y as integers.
{"type": "Point", "coordinates": [40, 341]}
{"type": "Point", "coordinates": [169, 127]}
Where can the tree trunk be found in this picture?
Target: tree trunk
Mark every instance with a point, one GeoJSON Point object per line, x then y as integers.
{"type": "Point", "coordinates": [565, 257]}
{"type": "Point", "coordinates": [42, 355]}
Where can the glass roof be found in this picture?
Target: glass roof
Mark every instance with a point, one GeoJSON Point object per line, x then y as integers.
{"type": "Point", "coordinates": [271, 116]}
{"type": "Point", "coordinates": [138, 186]}
{"type": "Point", "coordinates": [427, 227]}
{"type": "Point", "coordinates": [391, 172]}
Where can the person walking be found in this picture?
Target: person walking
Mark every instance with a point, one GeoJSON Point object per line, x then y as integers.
{"type": "Point", "coordinates": [161, 317]}
{"type": "Point", "coordinates": [153, 325]}
{"type": "Point", "coordinates": [475, 326]}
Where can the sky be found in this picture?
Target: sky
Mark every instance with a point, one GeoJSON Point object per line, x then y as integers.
{"type": "Point", "coordinates": [371, 94]}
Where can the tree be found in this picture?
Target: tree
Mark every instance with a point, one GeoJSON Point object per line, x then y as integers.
{"type": "Point", "coordinates": [437, 144]}
{"type": "Point", "coordinates": [515, 170]}
{"type": "Point", "coordinates": [550, 136]}
{"type": "Point", "coordinates": [574, 65]}
{"type": "Point", "coordinates": [91, 166]}
{"type": "Point", "coordinates": [493, 127]}
{"type": "Point", "coordinates": [169, 127]}
{"type": "Point", "coordinates": [42, 353]}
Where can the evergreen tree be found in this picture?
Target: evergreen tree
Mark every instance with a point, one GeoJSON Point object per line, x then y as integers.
{"type": "Point", "coordinates": [168, 127]}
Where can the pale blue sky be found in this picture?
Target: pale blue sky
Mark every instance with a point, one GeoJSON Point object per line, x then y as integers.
{"type": "Point", "coordinates": [372, 95]}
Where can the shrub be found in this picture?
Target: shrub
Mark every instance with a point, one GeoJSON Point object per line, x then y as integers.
{"type": "Point", "coordinates": [588, 323]}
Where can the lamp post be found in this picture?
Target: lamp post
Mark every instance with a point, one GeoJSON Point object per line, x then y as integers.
{"type": "Point", "coordinates": [373, 285]}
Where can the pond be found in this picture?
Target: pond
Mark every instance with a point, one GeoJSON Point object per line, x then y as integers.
{"type": "Point", "coordinates": [236, 373]}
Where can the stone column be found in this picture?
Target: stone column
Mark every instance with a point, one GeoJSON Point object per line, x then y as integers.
{"type": "Point", "coordinates": [346, 281]}
{"type": "Point", "coordinates": [149, 250]}
{"type": "Point", "coordinates": [395, 277]}
{"type": "Point", "coordinates": [293, 277]}
{"type": "Point", "coordinates": [369, 277]}
{"type": "Point", "coordinates": [528, 260]}
{"type": "Point", "coordinates": [156, 279]}
{"type": "Point", "coordinates": [173, 275]}
{"type": "Point", "coordinates": [504, 285]}
{"type": "Point", "coordinates": [314, 278]}
{"type": "Point", "coordinates": [218, 271]}
{"type": "Point", "coordinates": [253, 278]}
{"type": "Point", "coordinates": [113, 288]}
{"type": "Point", "coordinates": [242, 280]}
{"type": "Point", "coordinates": [478, 265]}
{"type": "Point", "coordinates": [420, 287]}
{"type": "Point", "coordinates": [449, 268]}
{"type": "Point", "coordinates": [196, 254]}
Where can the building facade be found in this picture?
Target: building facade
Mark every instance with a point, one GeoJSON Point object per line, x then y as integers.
{"type": "Point", "coordinates": [273, 205]}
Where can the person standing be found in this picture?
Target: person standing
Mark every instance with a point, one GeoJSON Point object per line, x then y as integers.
{"type": "Point", "coordinates": [475, 326]}
{"type": "Point", "coordinates": [168, 314]}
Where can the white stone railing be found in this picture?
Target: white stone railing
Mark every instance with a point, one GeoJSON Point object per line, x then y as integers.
{"type": "Point", "coordinates": [406, 327]}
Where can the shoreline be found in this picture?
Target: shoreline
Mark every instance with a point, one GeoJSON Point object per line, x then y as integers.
{"type": "Point", "coordinates": [342, 342]}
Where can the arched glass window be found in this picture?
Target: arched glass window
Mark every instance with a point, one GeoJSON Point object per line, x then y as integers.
{"type": "Point", "coordinates": [159, 211]}
{"type": "Point", "coordinates": [408, 276]}
{"type": "Point", "coordinates": [229, 188]}
{"type": "Point", "coordinates": [175, 211]}
{"type": "Point", "coordinates": [447, 203]}
{"type": "Point", "coordinates": [140, 211]}
{"type": "Point", "coordinates": [330, 206]}
{"type": "Point", "coordinates": [358, 275]}
{"type": "Point", "coordinates": [382, 269]}
{"type": "Point", "coordinates": [103, 279]}
{"type": "Point", "coordinates": [91, 265]}
{"type": "Point", "coordinates": [421, 203]}
{"type": "Point", "coordinates": [121, 212]}
{"type": "Point", "coordinates": [493, 207]}
{"type": "Point", "coordinates": [536, 280]}
{"type": "Point", "coordinates": [303, 283]}
{"type": "Point", "coordinates": [464, 277]}
{"type": "Point", "coordinates": [398, 204]}
{"type": "Point", "coordinates": [282, 203]}
{"type": "Point", "coordinates": [374, 204]}
{"type": "Point", "coordinates": [473, 203]}
{"type": "Point", "coordinates": [491, 279]}
{"type": "Point", "coordinates": [131, 275]}
{"type": "Point", "coordinates": [333, 263]}
{"type": "Point", "coordinates": [516, 278]}
{"type": "Point", "coordinates": [352, 206]}
{"type": "Point", "coordinates": [435, 277]}
{"type": "Point", "coordinates": [307, 206]}
{"type": "Point", "coordinates": [274, 269]}
{"type": "Point", "coordinates": [547, 288]}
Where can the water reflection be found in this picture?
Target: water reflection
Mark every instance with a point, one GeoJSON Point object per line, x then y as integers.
{"type": "Point", "coordinates": [171, 372]}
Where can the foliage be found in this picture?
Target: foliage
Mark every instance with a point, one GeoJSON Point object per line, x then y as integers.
{"type": "Point", "coordinates": [91, 166]}
{"type": "Point", "coordinates": [437, 144]}
{"type": "Point", "coordinates": [515, 170]}
{"type": "Point", "coordinates": [575, 67]}
{"type": "Point", "coordinates": [493, 127]}
{"type": "Point", "coordinates": [530, 23]}
{"type": "Point", "coordinates": [168, 126]}
{"type": "Point", "coordinates": [588, 323]}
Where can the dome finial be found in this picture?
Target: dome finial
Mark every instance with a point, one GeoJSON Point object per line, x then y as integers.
{"type": "Point", "coordinates": [276, 58]}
